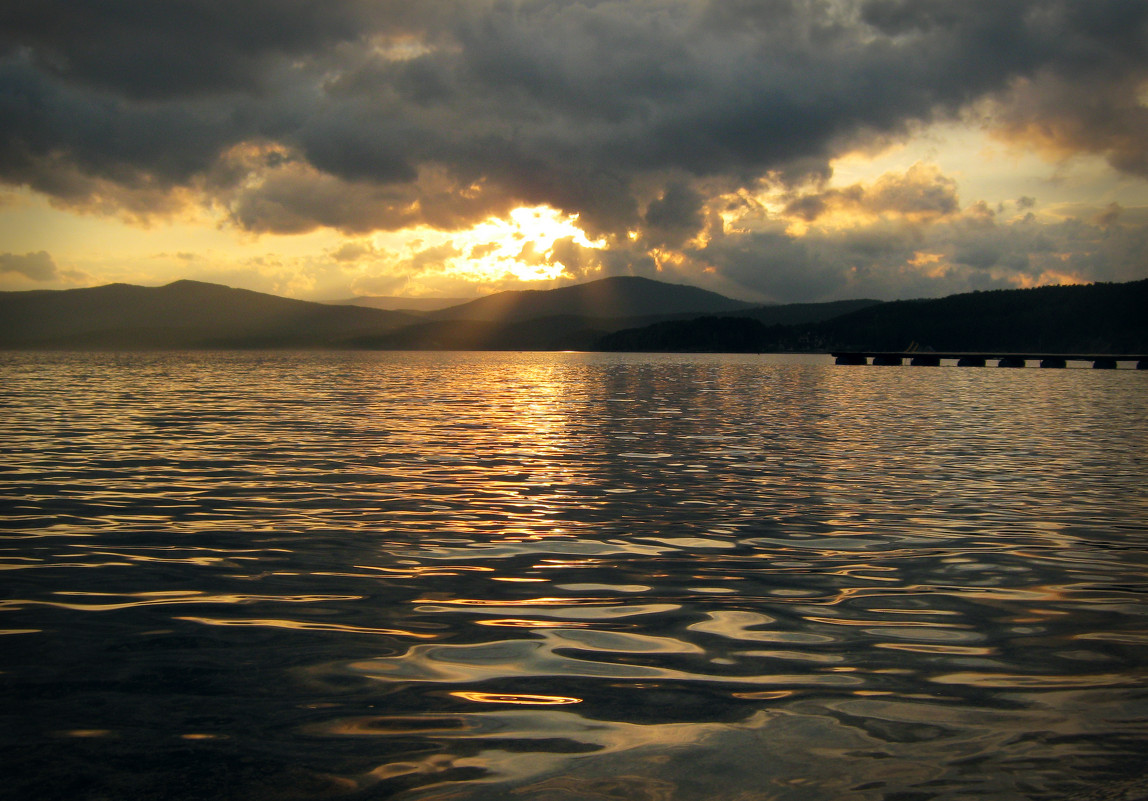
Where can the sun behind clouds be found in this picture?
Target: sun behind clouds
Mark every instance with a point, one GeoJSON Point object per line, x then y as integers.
{"type": "Point", "coordinates": [521, 247]}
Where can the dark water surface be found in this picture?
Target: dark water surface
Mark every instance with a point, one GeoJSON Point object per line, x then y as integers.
{"type": "Point", "coordinates": [570, 576]}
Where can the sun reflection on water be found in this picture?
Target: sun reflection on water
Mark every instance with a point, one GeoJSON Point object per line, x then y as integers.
{"type": "Point", "coordinates": [487, 576]}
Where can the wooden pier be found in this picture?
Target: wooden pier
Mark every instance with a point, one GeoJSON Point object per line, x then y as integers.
{"type": "Point", "coordinates": [1099, 361]}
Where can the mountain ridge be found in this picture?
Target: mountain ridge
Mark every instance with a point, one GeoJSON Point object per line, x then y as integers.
{"type": "Point", "coordinates": [196, 314]}
{"type": "Point", "coordinates": [616, 296]}
{"type": "Point", "coordinates": [650, 316]}
{"type": "Point", "coordinates": [184, 313]}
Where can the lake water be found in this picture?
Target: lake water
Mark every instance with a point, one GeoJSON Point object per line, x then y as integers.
{"type": "Point", "coordinates": [570, 576]}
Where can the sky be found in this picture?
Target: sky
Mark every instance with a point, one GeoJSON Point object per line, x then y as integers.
{"type": "Point", "coordinates": [770, 150]}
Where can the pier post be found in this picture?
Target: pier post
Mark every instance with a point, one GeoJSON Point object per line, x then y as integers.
{"type": "Point", "coordinates": [936, 358]}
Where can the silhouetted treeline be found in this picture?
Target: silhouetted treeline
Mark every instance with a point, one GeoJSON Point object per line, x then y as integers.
{"type": "Point", "coordinates": [710, 335]}
{"type": "Point", "coordinates": [1098, 318]}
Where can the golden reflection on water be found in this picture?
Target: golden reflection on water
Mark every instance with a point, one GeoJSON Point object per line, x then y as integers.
{"type": "Point", "coordinates": [765, 578]}
{"type": "Point", "coordinates": [520, 700]}
{"type": "Point", "coordinates": [302, 625]}
{"type": "Point", "coordinates": [531, 623]}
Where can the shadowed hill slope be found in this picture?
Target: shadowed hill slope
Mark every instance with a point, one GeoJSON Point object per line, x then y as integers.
{"type": "Point", "coordinates": [624, 296]}
{"type": "Point", "coordinates": [583, 332]}
{"type": "Point", "coordinates": [394, 303]}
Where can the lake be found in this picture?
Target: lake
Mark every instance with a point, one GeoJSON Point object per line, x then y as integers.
{"type": "Point", "coordinates": [478, 576]}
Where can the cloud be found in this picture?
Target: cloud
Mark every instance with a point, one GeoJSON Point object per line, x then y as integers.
{"type": "Point", "coordinates": [574, 105]}
{"type": "Point", "coordinates": [1061, 118]}
{"type": "Point", "coordinates": [268, 189]}
{"type": "Point", "coordinates": [921, 193]}
{"type": "Point", "coordinates": [184, 48]}
{"type": "Point", "coordinates": [400, 275]}
{"type": "Point", "coordinates": [651, 120]}
{"type": "Point", "coordinates": [675, 217]}
{"type": "Point", "coordinates": [890, 257]}
{"type": "Point", "coordinates": [34, 266]}
{"type": "Point", "coordinates": [579, 262]}
{"type": "Point", "coordinates": [353, 251]}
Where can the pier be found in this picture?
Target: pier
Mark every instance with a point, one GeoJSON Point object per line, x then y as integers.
{"type": "Point", "coordinates": [917, 358]}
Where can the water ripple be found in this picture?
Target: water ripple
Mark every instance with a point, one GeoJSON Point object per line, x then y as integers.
{"type": "Point", "coordinates": [569, 576]}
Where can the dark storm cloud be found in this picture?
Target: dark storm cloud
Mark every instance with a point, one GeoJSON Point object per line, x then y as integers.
{"type": "Point", "coordinates": [33, 266]}
{"type": "Point", "coordinates": [605, 109]}
{"type": "Point", "coordinates": [176, 48]}
{"type": "Point", "coordinates": [58, 138]}
{"type": "Point", "coordinates": [674, 217]}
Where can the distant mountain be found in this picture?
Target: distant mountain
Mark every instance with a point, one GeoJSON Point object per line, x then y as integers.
{"type": "Point", "coordinates": [635, 314]}
{"type": "Point", "coordinates": [395, 303]}
{"type": "Point", "coordinates": [191, 314]}
{"type": "Point", "coordinates": [184, 314]}
{"type": "Point", "coordinates": [618, 297]}
{"type": "Point", "coordinates": [1097, 318]}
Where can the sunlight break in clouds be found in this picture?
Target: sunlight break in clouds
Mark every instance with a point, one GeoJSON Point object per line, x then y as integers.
{"type": "Point", "coordinates": [531, 246]}
{"type": "Point", "coordinates": [524, 247]}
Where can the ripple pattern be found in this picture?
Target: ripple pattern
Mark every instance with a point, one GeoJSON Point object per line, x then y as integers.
{"type": "Point", "coordinates": [570, 576]}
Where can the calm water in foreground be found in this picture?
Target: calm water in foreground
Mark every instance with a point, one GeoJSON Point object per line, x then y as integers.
{"type": "Point", "coordinates": [569, 576]}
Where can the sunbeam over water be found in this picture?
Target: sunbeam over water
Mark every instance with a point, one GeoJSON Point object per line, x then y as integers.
{"type": "Point", "coordinates": [570, 576]}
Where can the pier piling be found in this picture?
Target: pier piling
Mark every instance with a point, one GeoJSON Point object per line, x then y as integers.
{"type": "Point", "coordinates": [1099, 361]}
